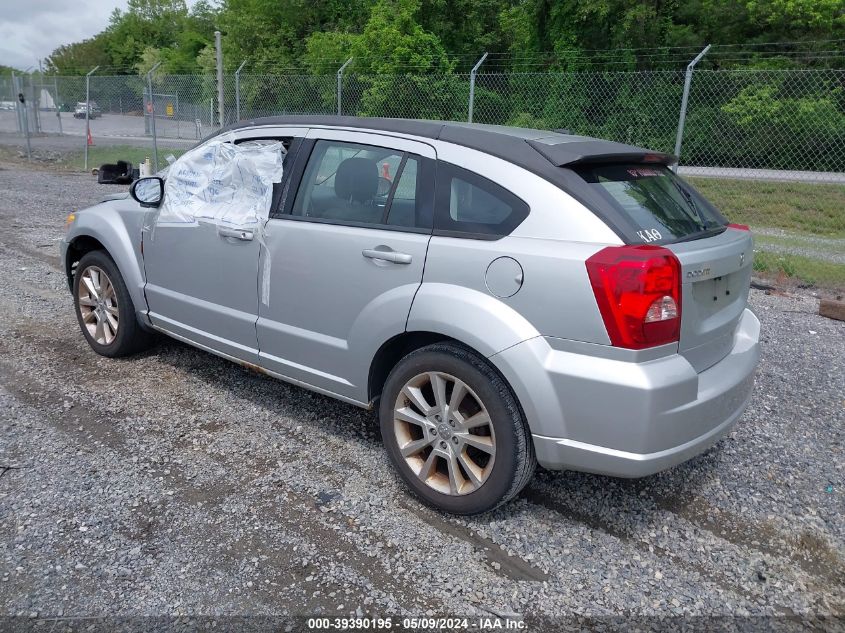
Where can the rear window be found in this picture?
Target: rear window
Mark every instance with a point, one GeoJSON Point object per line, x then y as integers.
{"type": "Point", "coordinates": [469, 205]}
{"type": "Point", "coordinates": [662, 207]}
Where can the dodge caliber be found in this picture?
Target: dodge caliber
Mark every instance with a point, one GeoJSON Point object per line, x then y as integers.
{"type": "Point", "coordinates": [500, 297]}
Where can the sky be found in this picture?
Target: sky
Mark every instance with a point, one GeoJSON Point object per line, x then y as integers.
{"type": "Point", "coordinates": [31, 29]}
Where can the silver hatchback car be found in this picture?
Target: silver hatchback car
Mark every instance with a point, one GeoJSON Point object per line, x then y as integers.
{"type": "Point", "coordinates": [501, 297]}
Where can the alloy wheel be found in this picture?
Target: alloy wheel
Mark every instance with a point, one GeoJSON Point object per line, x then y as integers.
{"type": "Point", "coordinates": [98, 305]}
{"type": "Point", "coordinates": [444, 433]}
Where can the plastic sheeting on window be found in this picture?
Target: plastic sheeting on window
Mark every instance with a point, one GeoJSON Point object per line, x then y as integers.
{"type": "Point", "coordinates": [227, 185]}
{"type": "Point", "coordinates": [223, 183]}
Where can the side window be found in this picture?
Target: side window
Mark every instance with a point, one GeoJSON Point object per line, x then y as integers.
{"type": "Point", "coordinates": [473, 206]}
{"type": "Point", "coordinates": [348, 182]}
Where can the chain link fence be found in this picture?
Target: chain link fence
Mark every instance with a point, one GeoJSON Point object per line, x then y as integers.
{"type": "Point", "coordinates": [740, 123]}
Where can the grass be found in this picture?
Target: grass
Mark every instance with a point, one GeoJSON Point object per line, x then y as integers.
{"type": "Point", "coordinates": [806, 270]}
{"type": "Point", "coordinates": [816, 209]}
{"type": "Point", "coordinates": [97, 155]}
{"type": "Point", "coordinates": [800, 209]}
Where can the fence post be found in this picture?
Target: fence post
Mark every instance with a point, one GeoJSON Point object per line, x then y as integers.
{"type": "Point", "coordinates": [35, 100]}
{"type": "Point", "coordinates": [340, 84]}
{"type": "Point", "coordinates": [16, 90]}
{"type": "Point", "coordinates": [472, 75]}
{"type": "Point", "coordinates": [238, 91]}
{"type": "Point", "coordinates": [58, 104]}
{"type": "Point", "coordinates": [219, 48]}
{"type": "Point", "coordinates": [684, 100]}
{"type": "Point", "coordinates": [153, 115]}
{"type": "Point", "coordinates": [88, 111]}
{"type": "Point", "coordinates": [21, 99]}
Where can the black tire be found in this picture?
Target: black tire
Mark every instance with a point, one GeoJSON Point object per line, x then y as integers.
{"type": "Point", "coordinates": [514, 462]}
{"type": "Point", "coordinates": [130, 337]}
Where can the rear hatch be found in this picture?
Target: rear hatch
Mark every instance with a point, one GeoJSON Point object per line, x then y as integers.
{"type": "Point", "coordinates": [715, 257]}
{"type": "Point", "coordinates": [716, 273]}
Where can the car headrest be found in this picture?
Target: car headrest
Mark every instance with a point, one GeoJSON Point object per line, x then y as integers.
{"type": "Point", "coordinates": [356, 179]}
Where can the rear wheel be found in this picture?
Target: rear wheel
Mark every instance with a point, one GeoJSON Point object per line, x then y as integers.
{"type": "Point", "coordinates": [454, 431]}
{"type": "Point", "coordinates": [104, 309]}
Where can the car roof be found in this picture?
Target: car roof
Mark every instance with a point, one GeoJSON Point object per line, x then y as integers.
{"type": "Point", "coordinates": [538, 150]}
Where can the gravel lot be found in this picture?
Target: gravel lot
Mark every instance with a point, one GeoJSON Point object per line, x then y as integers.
{"type": "Point", "coordinates": [179, 483]}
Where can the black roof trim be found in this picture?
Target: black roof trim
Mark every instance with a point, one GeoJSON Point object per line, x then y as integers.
{"type": "Point", "coordinates": [559, 149]}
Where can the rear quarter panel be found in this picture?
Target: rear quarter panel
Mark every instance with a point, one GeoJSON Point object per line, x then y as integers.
{"type": "Point", "coordinates": [555, 299]}
{"type": "Point", "coordinates": [551, 245]}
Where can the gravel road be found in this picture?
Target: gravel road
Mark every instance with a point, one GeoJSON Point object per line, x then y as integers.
{"type": "Point", "coordinates": [178, 483]}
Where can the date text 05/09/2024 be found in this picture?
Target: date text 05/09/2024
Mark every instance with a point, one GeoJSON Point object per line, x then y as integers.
{"type": "Point", "coordinates": [475, 623]}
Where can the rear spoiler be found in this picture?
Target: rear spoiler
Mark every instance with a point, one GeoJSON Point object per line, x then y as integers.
{"type": "Point", "coordinates": [596, 152]}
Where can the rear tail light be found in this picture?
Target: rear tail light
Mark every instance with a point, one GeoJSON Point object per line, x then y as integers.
{"type": "Point", "coordinates": [638, 291]}
{"type": "Point", "coordinates": [741, 227]}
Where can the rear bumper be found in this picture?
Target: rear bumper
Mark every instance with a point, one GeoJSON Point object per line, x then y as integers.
{"type": "Point", "coordinates": [628, 419]}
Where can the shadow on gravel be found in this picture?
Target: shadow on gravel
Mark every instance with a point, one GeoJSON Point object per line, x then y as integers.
{"type": "Point", "coordinates": [269, 394]}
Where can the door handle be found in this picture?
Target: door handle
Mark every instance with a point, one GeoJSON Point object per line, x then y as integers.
{"type": "Point", "coordinates": [388, 256]}
{"type": "Point", "coordinates": [238, 234]}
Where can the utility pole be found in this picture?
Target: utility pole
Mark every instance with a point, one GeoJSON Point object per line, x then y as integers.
{"type": "Point", "coordinates": [217, 45]}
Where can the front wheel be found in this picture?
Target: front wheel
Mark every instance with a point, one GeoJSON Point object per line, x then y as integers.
{"type": "Point", "coordinates": [454, 431]}
{"type": "Point", "coordinates": [104, 309]}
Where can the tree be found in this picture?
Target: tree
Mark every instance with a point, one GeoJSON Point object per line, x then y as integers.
{"type": "Point", "coordinates": [272, 34]}
{"type": "Point", "coordinates": [165, 26]}
{"type": "Point", "coordinates": [80, 57]}
{"type": "Point", "coordinates": [389, 36]}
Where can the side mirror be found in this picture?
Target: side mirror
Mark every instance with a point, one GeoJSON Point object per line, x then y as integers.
{"type": "Point", "coordinates": [148, 192]}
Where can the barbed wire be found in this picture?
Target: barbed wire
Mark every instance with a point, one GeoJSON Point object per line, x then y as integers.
{"type": "Point", "coordinates": [808, 51]}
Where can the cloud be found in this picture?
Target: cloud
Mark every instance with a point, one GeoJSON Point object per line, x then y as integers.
{"type": "Point", "coordinates": [31, 29]}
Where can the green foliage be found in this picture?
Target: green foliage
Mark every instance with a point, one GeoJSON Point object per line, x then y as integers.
{"type": "Point", "coordinates": [761, 105]}
{"type": "Point", "coordinates": [736, 119]}
{"type": "Point", "coordinates": [774, 262]}
{"type": "Point", "coordinates": [79, 57]}
{"type": "Point", "coordinates": [326, 52]}
{"type": "Point", "coordinates": [164, 30]}
{"type": "Point", "coordinates": [393, 40]}
{"type": "Point", "coordinates": [807, 270]}
{"type": "Point", "coordinates": [388, 34]}
{"type": "Point", "coordinates": [414, 96]}
{"type": "Point", "coordinates": [272, 34]}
